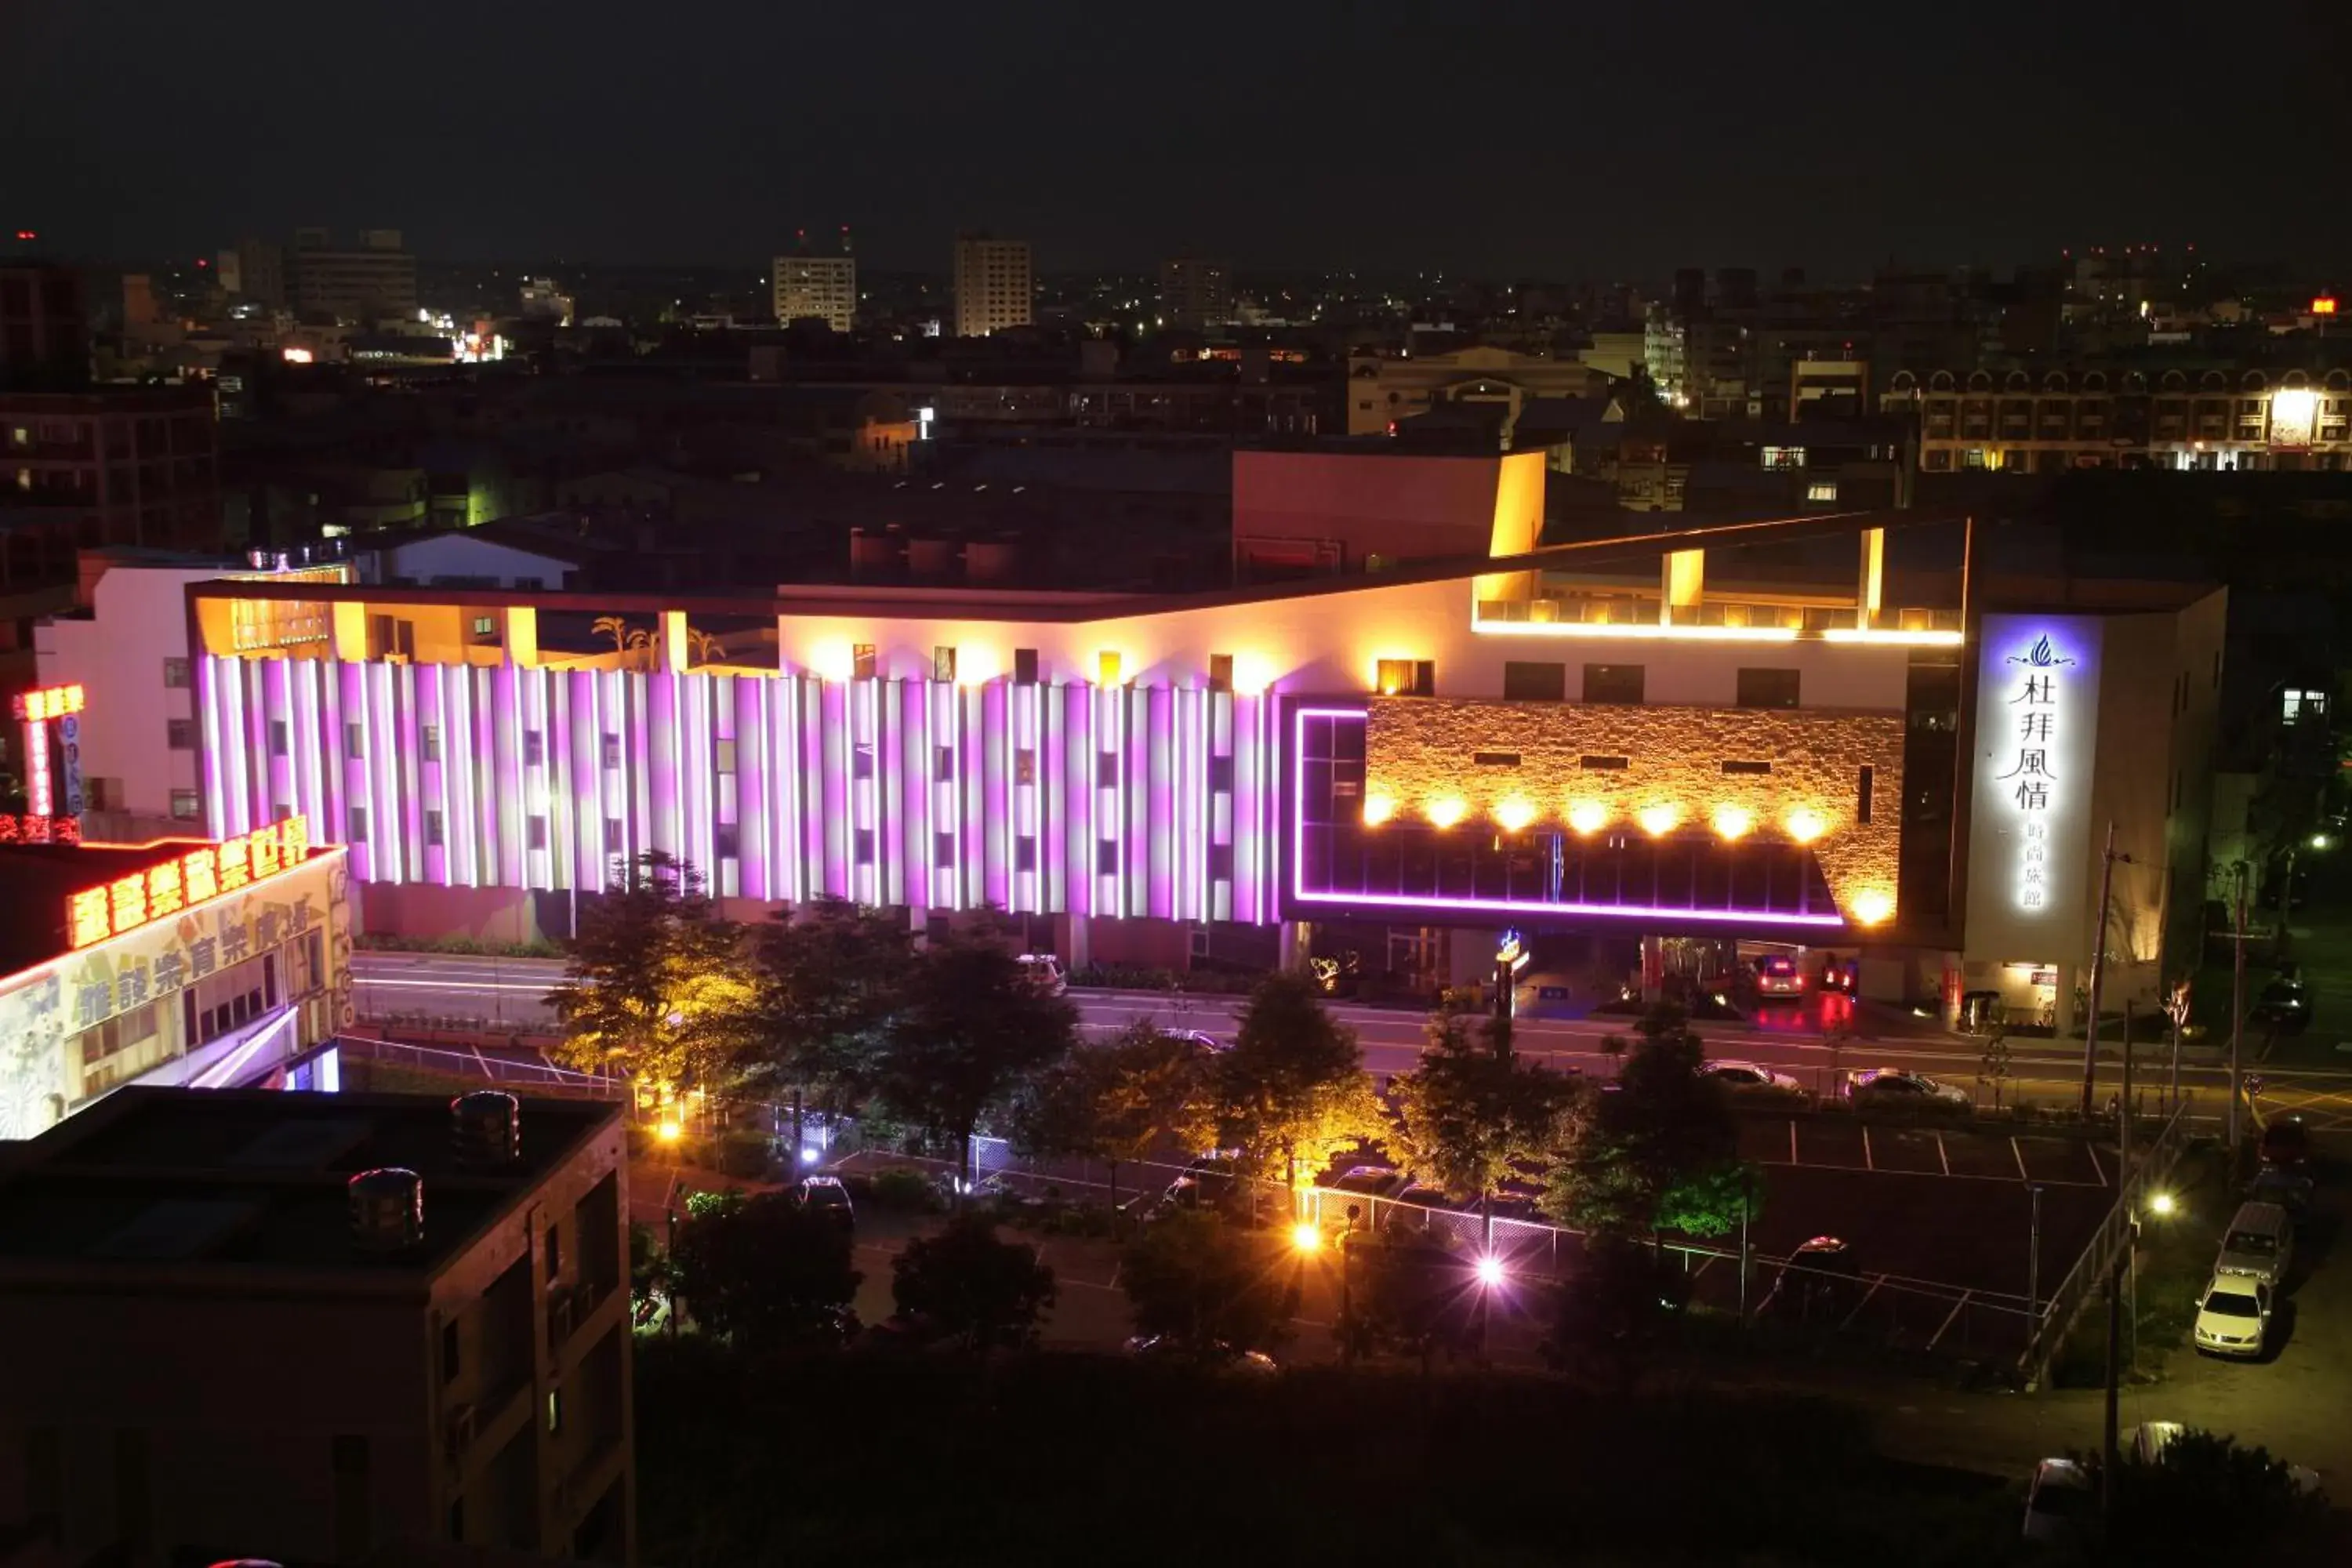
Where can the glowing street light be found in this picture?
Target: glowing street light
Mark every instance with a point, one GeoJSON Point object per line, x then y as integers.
{"type": "Point", "coordinates": [2161, 1204]}
{"type": "Point", "coordinates": [669, 1132]}
{"type": "Point", "coordinates": [1306, 1237]}
{"type": "Point", "coordinates": [1490, 1271]}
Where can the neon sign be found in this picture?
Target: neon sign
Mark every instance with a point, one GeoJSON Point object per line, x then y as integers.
{"type": "Point", "coordinates": [204, 873]}
{"type": "Point", "coordinates": [35, 709]}
{"type": "Point", "coordinates": [2039, 730]}
{"type": "Point", "coordinates": [49, 702]}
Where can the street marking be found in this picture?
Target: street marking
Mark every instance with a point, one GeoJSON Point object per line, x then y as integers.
{"type": "Point", "coordinates": [2101, 1170]}
{"type": "Point", "coordinates": [1793, 1142]}
{"type": "Point", "coordinates": [1942, 1154]}
{"type": "Point", "coordinates": [2022, 1173]}
{"type": "Point", "coordinates": [1867, 1162]}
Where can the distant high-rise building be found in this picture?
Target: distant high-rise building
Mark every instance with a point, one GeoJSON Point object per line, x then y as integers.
{"type": "Point", "coordinates": [994, 285]}
{"type": "Point", "coordinates": [255, 270]}
{"type": "Point", "coordinates": [811, 286]}
{"type": "Point", "coordinates": [44, 327]}
{"type": "Point", "coordinates": [1195, 293]}
{"type": "Point", "coordinates": [374, 279]}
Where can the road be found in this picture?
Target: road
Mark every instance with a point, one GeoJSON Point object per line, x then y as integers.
{"type": "Point", "coordinates": [505, 994]}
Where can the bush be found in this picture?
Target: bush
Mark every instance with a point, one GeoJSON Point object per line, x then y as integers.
{"type": "Point", "coordinates": [909, 1190]}
{"type": "Point", "coordinates": [393, 941]}
{"type": "Point", "coordinates": [1137, 977]}
{"type": "Point", "coordinates": [744, 1152]}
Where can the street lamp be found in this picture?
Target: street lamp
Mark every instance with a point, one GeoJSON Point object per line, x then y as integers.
{"type": "Point", "coordinates": [1306, 1237]}
{"type": "Point", "coordinates": [1490, 1271]}
{"type": "Point", "coordinates": [2160, 1203]}
{"type": "Point", "coordinates": [669, 1132]}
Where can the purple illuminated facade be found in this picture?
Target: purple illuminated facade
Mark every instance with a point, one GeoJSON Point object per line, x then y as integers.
{"type": "Point", "coordinates": [1126, 802]}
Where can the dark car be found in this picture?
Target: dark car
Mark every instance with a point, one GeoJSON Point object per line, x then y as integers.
{"type": "Point", "coordinates": [2284, 1005]}
{"type": "Point", "coordinates": [2286, 1143]}
{"type": "Point", "coordinates": [828, 1197]}
{"type": "Point", "coordinates": [1841, 975]}
{"type": "Point", "coordinates": [2290, 1189]}
{"type": "Point", "coordinates": [1897, 1086]}
{"type": "Point", "coordinates": [1821, 1276]}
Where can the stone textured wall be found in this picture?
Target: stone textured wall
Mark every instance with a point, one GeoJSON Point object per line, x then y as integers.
{"type": "Point", "coordinates": [1423, 751]}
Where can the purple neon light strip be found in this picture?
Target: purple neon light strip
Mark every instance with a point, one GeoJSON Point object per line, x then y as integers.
{"type": "Point", "coordinates": [404, 768]}
{"type": "Point", "coordinates": [256, 741]}
{"type": "Point", "coordinates": [1054, 752]}
{"type": "Point", "coordinates": [1498, 906]}
{"type": "Point", "coordinates": [384, 761]}
{"type": "Point", "coordinates": [208, 680]}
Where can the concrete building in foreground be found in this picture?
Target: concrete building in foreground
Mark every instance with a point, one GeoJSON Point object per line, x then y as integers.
{"type": "Point", "coordinates": [316, 1329]}
{"type": "Point", "coordinates": [1801, 732]}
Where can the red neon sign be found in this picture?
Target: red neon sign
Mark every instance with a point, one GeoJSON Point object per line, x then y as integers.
{"type": "Point", "coordinates": [49, 702]}
{"type": "Point", "coordinates": [206, 872]}
{"type": "Point", "coordinates": [2324, 306]}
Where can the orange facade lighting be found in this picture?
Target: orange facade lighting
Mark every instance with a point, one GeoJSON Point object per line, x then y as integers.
{"type": "Point", "coordinates": [2324, 306]}
{"type": "Point", "coordinates": [49, 702]}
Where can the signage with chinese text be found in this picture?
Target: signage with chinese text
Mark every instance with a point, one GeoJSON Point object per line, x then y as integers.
{"type": "Point", "coordinates": [205, 872]}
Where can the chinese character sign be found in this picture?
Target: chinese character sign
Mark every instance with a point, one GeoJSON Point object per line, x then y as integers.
{"type": "Point", "coordinates": [201, 874]}
{"type": "Point", "coordinates": [2035, 729]}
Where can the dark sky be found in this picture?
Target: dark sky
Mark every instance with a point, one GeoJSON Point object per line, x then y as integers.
{"type": "Point", "coordinates": [1575, 137]}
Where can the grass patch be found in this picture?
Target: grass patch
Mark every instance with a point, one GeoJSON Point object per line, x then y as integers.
{"type": "Point", "coordinates": [2176, 1259]}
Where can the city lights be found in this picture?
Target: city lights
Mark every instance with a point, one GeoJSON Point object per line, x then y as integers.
{"type": "Point", "coordinates": [669, 1132]}
{"type": "Point", "coordinates": [1587, 817]}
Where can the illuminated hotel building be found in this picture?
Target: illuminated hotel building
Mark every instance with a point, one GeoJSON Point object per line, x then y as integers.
{"type": "Point", "coordinates": [1679, 735]}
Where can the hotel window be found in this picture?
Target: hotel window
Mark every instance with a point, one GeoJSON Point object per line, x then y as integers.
{"type": "Point", "coordinates": [861, 661]}
{"type": "Point", "coordinates": [2296, 705]}
{"type": "Point", "coordinates": [1613, 683]}
{"type": "Point", "coordinates": [432, 828]}
{"type": "Point", "coordinates": [1220, 672]}
{"type": "Point", "coordinates": [1221, 862]}
{"type": "Point", "coordinates": [726, 755]}
{"type": "Point", "coordinates": [728, 839]}
{"type": "Point", "coordinates": [611, 750]}
{"type": "Point", "coordinates": [1106, 857]}
{"type": "Point", "coordinates": [185, 806]}
{"type": "Point", "coordinates": [943, 850]}
{"type": "Point", "coordinates": [1024, 854]}
{"type": "Point", "coordinates": [613, 836]}
{"type": "Point", "coordinates": [943, 764]}
{"type": "Point", "coordinates": [1494, 759]}
{"type": "Point", "coordinates": [428, 742]}
{"type": "Point", "coordinates": [1768, 689]}
{"type": "Point", "coordinates": [864, 846]}
{"type": "Point", "coordinates": [1024, 667]}
{"type": "Point", "coordinates": [359, 822]}
{"type": "Point", "coordinates": [1406, 677]}
{"type": "Point", "coordinates": [486, 629]}
{"type": "Point", "coordinates": [1535, 682]}
{"type": "Point", "coordinates": [1863, 789]}
{"type": "Point", "coordinates": [180, 734]}
{"type": "Point", "coordinates": [861, 760]}
{"type": "Point", "coordinates": [1024, 766]}
{"type": "Point", "coordinates": [1746, 768]}
{"type": "Point", "coordinates": [352, 737]}
{"type": "Point", "coordinates": [535, 747]}
{"type": "Point", "coordinates": [1220, 776]}
{"type": "Point", "coordinates": [1106, 770]}
{"type": "Point", "coordinates": [943, 664]}
{"type": "Point", "coordinates": [1108, 666]}
{"type": "Point", "coordinates": [1821, 489]}
{"type": "Point", "coordinates": [535, 829]}
{"type": "Point", "coordinates": [1603, 764]}
{"type": "Point", "coordinates": [175, 674]}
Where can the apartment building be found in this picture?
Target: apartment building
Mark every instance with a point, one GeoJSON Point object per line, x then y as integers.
{"type": "Point", "coordinates": [994, 286]}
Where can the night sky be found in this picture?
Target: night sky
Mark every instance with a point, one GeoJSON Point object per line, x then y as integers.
{"type": "Point", "coordinates": [1560, 139]}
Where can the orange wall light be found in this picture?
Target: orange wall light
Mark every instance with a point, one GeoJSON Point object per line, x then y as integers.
{"type": "Point", "coordinates": [1872, 908]}
{"type": "Point", "coordinates": [1587, 817]}
{"type": "Point", "coordinates": [1447, 811]}
{"type": "Point", "coordinates": [1805, 825]}
{"type": "Point", "coordinates": [1514, 814]}
{"type": "Point", "coordinates": [1379, 808]}
{"type": "Point", "coordinates": [1658, 820]}
{"type": "Point", "coordinates": [1734, 820]}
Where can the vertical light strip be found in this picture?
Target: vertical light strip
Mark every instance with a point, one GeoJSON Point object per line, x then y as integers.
{"type": "Point", "coordinates": [382, 746]}
{"type": "Point", "coordinates": [358, 783]}
{"type": "Point", "coordinates": [1054, 813]}
{"type": "Point", "coordinates": [482, 783]}
{"type": "Point", "coordinates": [305, 739]}
{"type": "Point", "coordinates": [828, 730]}
{"type": "Point", "coordinates": [888, 737]}
{"type": "Point", "coordinates": [996, 808]}
{"type": "Point", "coordinates": [209, 675]}
{"type": "Point", "coordinates": [257, 741]}
{"type": "Point", "coordinates": [401, 729]}
{"type": "Point", "coordinates": [278, 708]}
{"type": "Point", "coordinates": [235, 817]}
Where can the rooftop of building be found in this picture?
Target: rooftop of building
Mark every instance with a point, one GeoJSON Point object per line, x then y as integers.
{"type": "Point", "coordinates": [225, 1186]}
{"type": "Point", "coordinates": [37, 880]}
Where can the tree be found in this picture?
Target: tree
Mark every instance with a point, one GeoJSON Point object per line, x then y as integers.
{"type": "Point", "coordinates": [972, 1026]}
{"type": "Point", "coordinates": [1203, 1283]}
{"type": "Point", "coordinates": [1660, 1153]}
{"type": "Point", "coordinates": [1472, 1115]}
{"type": "Point", "coordinates": [763, 1271]}
{"type": "Point", "coordinates": [1412, 1295]}
{"type": "Point", "coordinates": [828, 978]}
{"type": "Point", "coordinates": [2207, 1498]}
{"type": "Point", "coordinates": [1609, 1309]}
{"type": "Point", "coordinates": [1293, 1088]}
{"type": "Point", "coordinates": [649, 1271]}
{"type": "Point", "coordinates": [654, 988]}
{"type": "Point", "coordinates": [968, 1285]}
{"type": "Point", "coordinates": [1125, 1101]}
{"type": "Point", "coordinates": [1993, 1063]}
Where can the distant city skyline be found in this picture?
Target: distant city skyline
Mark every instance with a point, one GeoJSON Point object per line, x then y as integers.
{"type": "Point", "coordinates": [1497, 139]}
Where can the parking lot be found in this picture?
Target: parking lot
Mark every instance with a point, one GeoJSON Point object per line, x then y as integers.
{"type": "Point", "coordinates": [1846, 1144]}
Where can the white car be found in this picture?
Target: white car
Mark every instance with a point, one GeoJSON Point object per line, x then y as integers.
{"type": "Point", "coordinates": [1900, 1086]}
{"type": "Point", "coordinates": [2061, 1499]}
{"type": "Point", "coordinates": [1199, 1041]}
{"type": "Point", "coordinates": [1738, 1076]}
{"type": "Point", "coordinates": [1044, 971]}
{"type": "Point", "coordinates": [2233, 1317]}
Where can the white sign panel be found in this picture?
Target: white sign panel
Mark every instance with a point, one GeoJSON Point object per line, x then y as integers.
{"type": "Point", "coordinates": [2037, 719]}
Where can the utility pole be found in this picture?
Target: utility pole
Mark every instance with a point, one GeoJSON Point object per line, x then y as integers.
{"type": "Point", "coordinates": [2124, 1105]}
{"type": "Point", "coordinates": [2098, 970]}
{"type": "Point", "coordinates": [2034, 1263]}
{"type": "Point", "coordinates": [2115, 1366]}
{"type": "Point", "coordinates": [2237, 1007]}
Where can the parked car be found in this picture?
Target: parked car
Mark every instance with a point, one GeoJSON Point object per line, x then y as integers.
{"type": "Point", "coordinates": [1371, 1181]}
{"type": "Point", "coordinates": [1777, 974]}
{"type": "Point", "coordinates": [828, 1197]}
{"type": "Point", "coordinates": [1199, 1041]}
{"type": "Point", "coordinates": [2233, 1317]}
{"type": "Point", "coordinates": [2146, 1442]}
{"type": "Point", "coordinates": [2286, 1143]}
{"type": "Point", "coordinates": [1823, 1275]}
{"type": "Point", "coordinates": [1216, 1354]}
{"type": "Point", "coordinates": [1900, 1086]}
{"type": "Point", "coordinates": [1044, 971]}
{"type": "Point", "coordinates": [2258, 1244]}
{"type": "Point", "coordinates": [1841, 975]}
{"type": "Point", "coordinates": [2284, 1005]}
{"type": "Point", "coordinates": [1748, 1078]}
{"type": "Point", "coordinates": [2288, 1188]}
{"type": "Point", "coordinates": [2062, 1502]}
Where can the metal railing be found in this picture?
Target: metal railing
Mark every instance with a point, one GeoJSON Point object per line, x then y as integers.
{"type": "Point", "coordinates": [2055, 1317]}
{"type": "Point", "coordinates": [518, 1072]}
